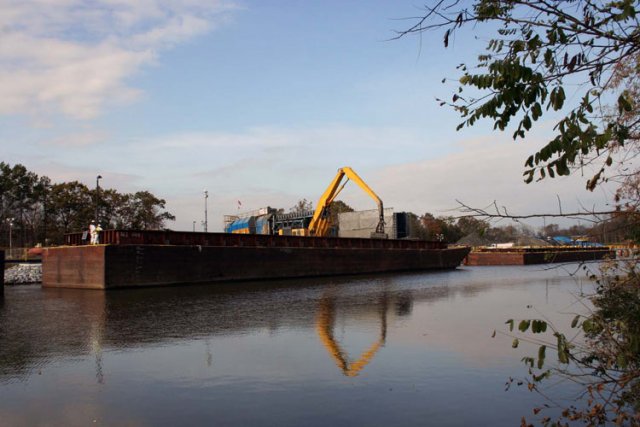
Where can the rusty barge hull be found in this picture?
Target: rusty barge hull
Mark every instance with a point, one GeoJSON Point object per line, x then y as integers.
{"type": "Point", "coordinates": [531, 256]}
{"type": "Point", "coordinates": [233, 258]}
{"type": "Point", "coordinates": [1, 273]}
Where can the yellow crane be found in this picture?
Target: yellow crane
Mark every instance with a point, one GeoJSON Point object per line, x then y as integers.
{"type": "Point", "coordinates": [319, 225]}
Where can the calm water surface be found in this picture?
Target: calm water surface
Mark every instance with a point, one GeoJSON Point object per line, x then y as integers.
{"type": "Point", "coordinates": [394, 350]}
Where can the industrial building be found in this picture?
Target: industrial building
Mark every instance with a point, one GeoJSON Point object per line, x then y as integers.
{"type": "Point", "coordinates": [350, 224]}
{"type": "Point", "coordinates": [363, 223]}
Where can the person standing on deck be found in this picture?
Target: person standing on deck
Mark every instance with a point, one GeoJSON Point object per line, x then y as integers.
{"type": "Point", "coordinates": [97, 231]}
{"type": "Point", "coordinates": [92, 233]}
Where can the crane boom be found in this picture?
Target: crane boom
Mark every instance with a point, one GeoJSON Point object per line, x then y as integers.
{"type": "Point", "coordinates": [319, 225]}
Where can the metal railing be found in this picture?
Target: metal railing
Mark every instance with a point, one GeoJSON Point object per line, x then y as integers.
{"type": "Point", "coordinates": [151, 237]}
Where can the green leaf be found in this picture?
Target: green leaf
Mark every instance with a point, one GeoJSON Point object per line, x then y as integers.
{"type": "Point", "coordinates": [624, 104]}
{"type": "Point", "coordinates": [535, 327]}
{"type": "Point", "coordinates": [524, 325]}
{"type": "Point", "coordinates": [543, 326]}
{"type": "Point", "coordinates": [551, 172]}
{"type": "Point", "coordinates": [563, 350]}
{"type": "Point", "coordinates": [529, 176]}
{"type": "Point", "coordinates": [560, 97]}
{"type": "Point", "coordinates": [542, 350]}
{"type": "Point", "coordinates": [538, 378]}
{"type": "Point", "coordinates": [587, 326]}
{"type": "Point", "coordinates": [510, 323]}
{"type": "Point", "coordinates": [538, 326]}
{"type": "Point", "coordinates": [575, 320]}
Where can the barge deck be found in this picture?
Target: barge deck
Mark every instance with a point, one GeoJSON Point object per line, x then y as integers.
{"type": "Point", "coordinates": [536, 255]}
{"type": "Point", "coordinates": [157, 258]}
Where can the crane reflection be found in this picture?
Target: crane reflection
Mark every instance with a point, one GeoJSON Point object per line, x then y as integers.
{"type": "Point", "coordinates": [325, 325]}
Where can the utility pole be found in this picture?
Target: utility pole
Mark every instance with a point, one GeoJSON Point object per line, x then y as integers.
{"type": "Point", "coordinates": [206, 197]}
{"type": "Point", "coordinates": [44, 214]}
{"type": "Point", "coordinates": [10, 222]}
{"type": "Point", "coordinates": [194, 226]}
{"type": "Point", "coordinates": [98, 178]}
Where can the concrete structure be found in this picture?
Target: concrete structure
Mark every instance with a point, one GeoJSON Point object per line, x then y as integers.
{"type": "Point", "coordinates": [528, 256]}
{"type": "Point", "coordinates": [233, 257]}
{"type": "Point", "coordinates": [362, 223]}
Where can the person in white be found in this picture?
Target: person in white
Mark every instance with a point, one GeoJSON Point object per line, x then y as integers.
{"type": "Point", "coordinates": [93, 235]}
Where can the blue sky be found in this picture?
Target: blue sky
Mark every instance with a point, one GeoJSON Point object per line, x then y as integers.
{"type": "Point", "coordinates": [257, 101]}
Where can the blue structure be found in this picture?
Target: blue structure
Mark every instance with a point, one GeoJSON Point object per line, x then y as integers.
{"type": "Point", "coordinates": [255, 224]}
{"type": "Point", "coordinates": [564, 240]}
{"type": "Point", "coordinates": [242, 226]}
{"type": "Point", "coordinates": [567, 241]}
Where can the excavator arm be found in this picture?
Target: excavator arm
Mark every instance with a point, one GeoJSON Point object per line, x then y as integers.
{"type": "Point", "coordinates": [319, 225]}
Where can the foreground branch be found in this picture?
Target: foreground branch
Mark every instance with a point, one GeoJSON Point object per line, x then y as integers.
{"type": "Point", "coordinates": [502, 213]}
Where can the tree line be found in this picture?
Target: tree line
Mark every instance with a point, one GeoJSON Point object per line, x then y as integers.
{"type": "Point", "coordinates": [33, 209]}
{"type": "Point", "coordinates": [615, 228]}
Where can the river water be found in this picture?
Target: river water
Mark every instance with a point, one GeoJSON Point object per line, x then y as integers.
{"type": "Point", "coordinates": [391, 350]}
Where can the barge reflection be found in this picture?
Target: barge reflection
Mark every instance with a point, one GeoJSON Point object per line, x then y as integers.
{"type": "Point", "coordinates": [41, 326]}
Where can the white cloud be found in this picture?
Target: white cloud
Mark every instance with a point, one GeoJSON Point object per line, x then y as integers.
{"type": "Point", "coordinates": [66, 57]}
{"type": "Point", "coordinates": [484, 172]}
{"type": "Point", "coordinates": [278, 166]}
{"type": "Point", "coordinates": [79, 139]}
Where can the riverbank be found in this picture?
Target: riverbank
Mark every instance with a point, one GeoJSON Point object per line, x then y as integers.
{"type": "Point", "coordinates": [23, 274]}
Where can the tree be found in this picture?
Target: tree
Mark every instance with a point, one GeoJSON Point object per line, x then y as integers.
{"type": "Point", "coordinates": [21, 199]}
{"type": "Point", "coordinates": [71, 208]}
{"type": "Point", "coordinates": [551, 230]}
{"type": "Point", "coordinates": [606, 362]}
{"type": "Point", "coordinates": [431, 225]}
{"type": "Point", "coordinates": [470, 225]}
{"type": "Point", "coordinates": [40, 208]}
{"type": "Point", "coordinates": [302, 206]}
{"type": "Point", "coordinates": [570, 57]}
{"type": "Point", "coordinates": [112, 208]}
{"type": "Point", "coordinates": [440, 228]}
{"type": "Point", "coordinates": [142, 211]}
{"type": "Point", "coordinates": [416, 228]}
{"type": "Point", "coordinates": [338, 207]}
{"type": "Point", "coordinates": [579, 61]}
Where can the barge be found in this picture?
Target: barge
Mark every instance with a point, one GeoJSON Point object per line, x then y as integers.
{"type": "Point", "coordinates": [482, 256]}
{"type": "Point", "coordinates": [130, 258]}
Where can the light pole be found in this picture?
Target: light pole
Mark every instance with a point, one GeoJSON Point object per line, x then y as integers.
{"type": "Point", "coordinates": [206, 197]}
{"type": "Point", "coordinates": [44, 213]}
{"type": "Point", "coordinates": [194, 226]}
{"type": "Point", "coordinates": [10, 222]}
{"type": "Point", "coordinates": [98, 178]}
